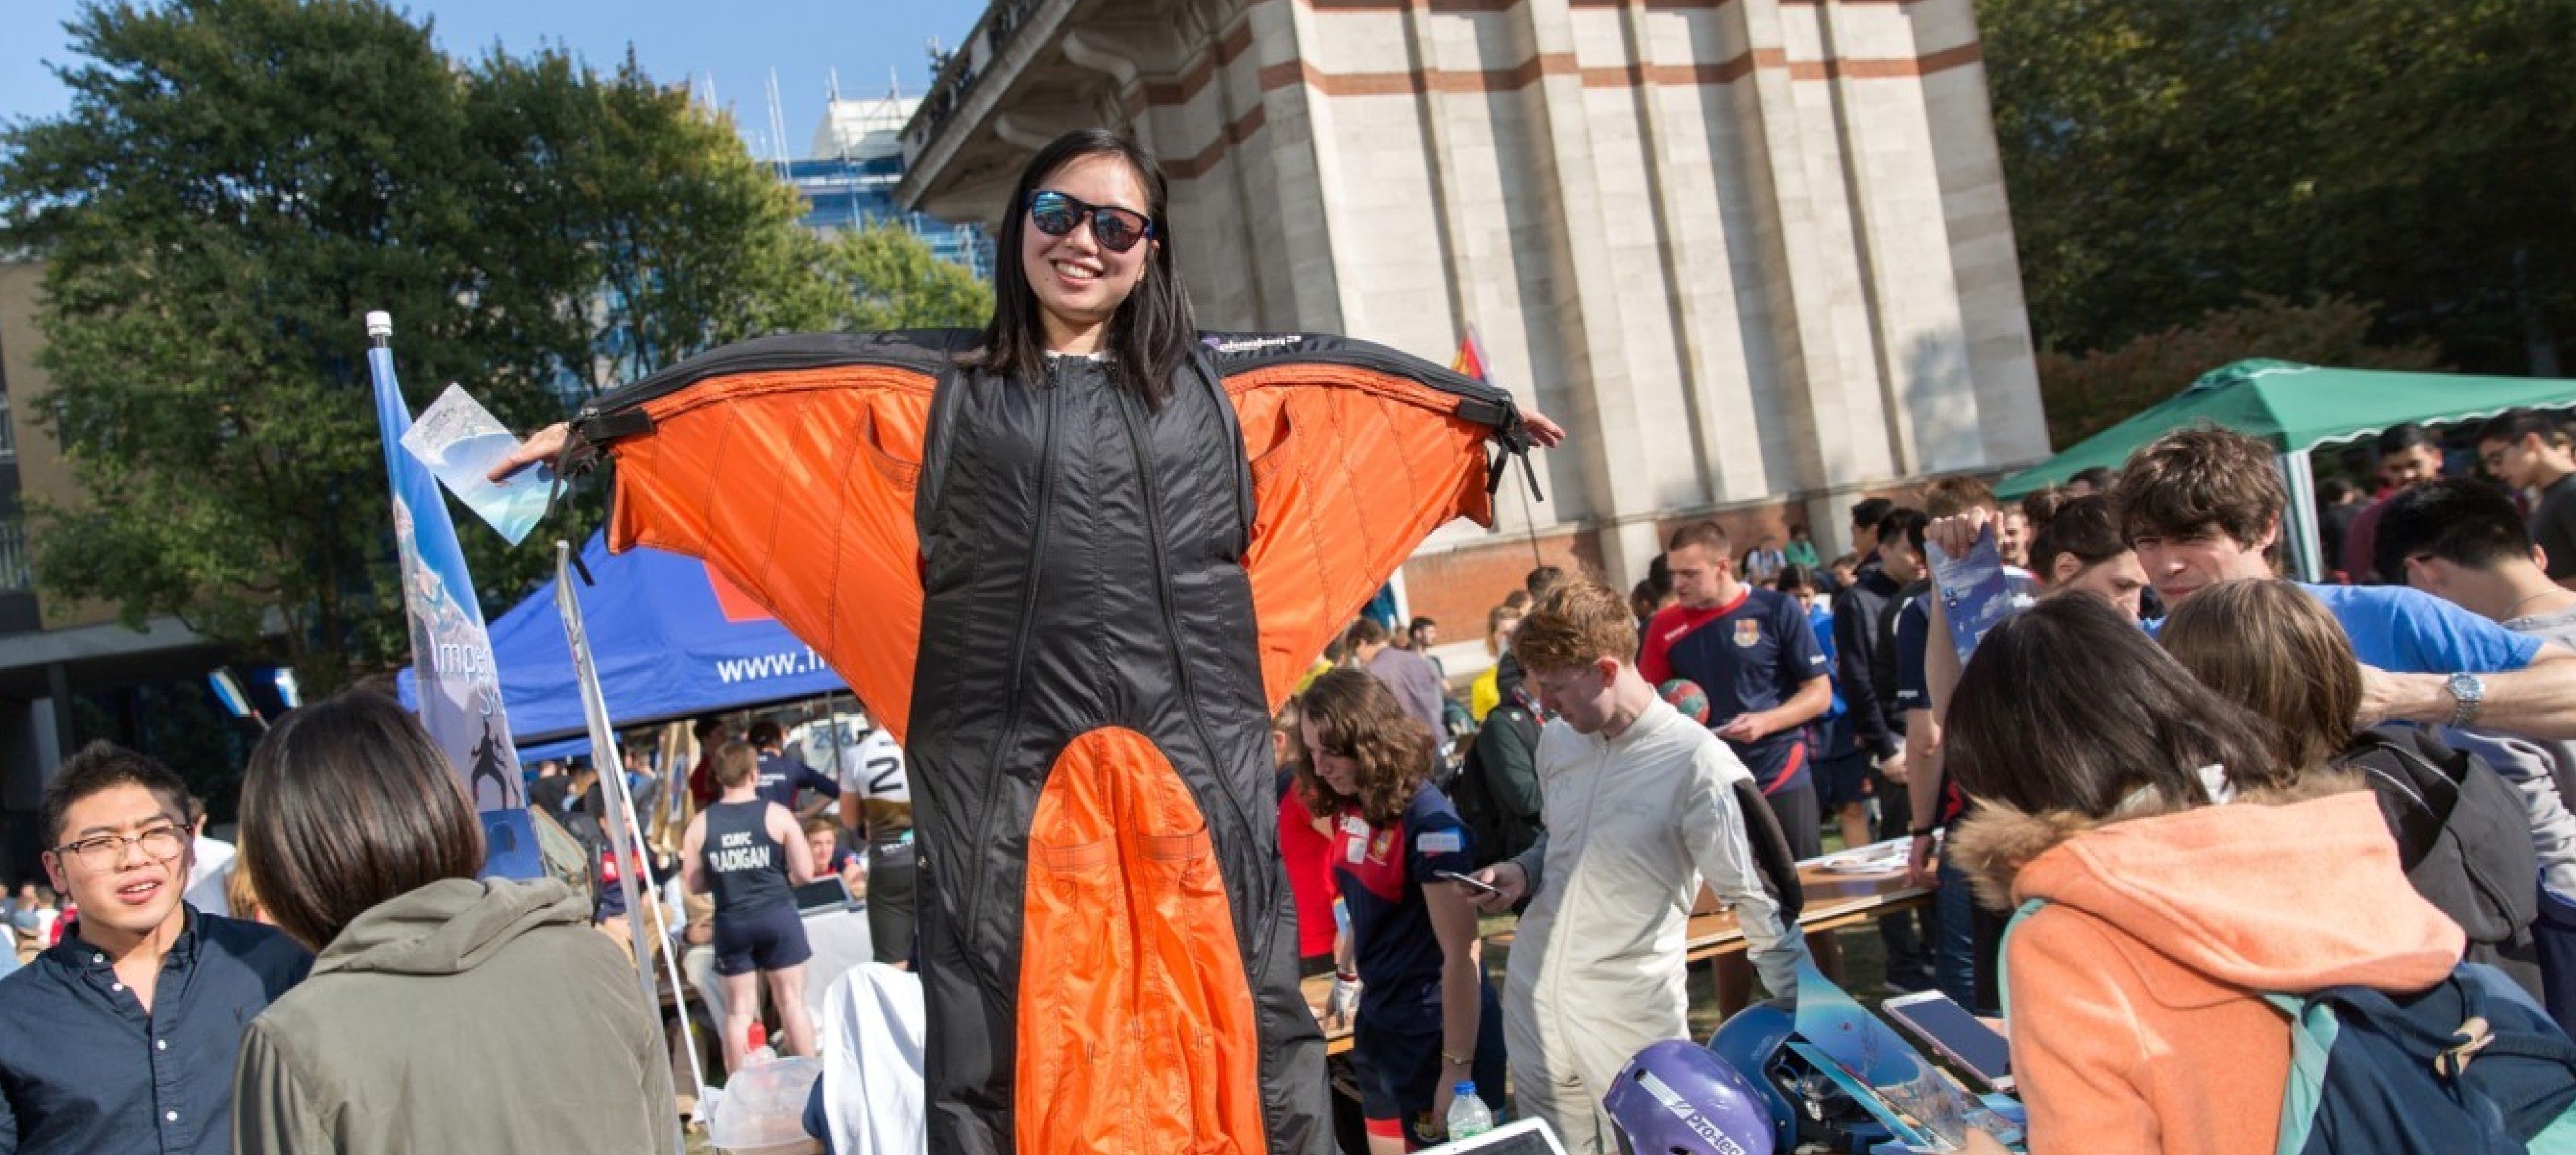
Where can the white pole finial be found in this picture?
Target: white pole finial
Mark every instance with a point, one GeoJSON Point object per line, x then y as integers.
{"type": "Point", "coordinates": [380, 324]}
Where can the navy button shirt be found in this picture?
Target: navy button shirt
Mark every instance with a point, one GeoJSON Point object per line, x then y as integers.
{"type": "Point", "coordinates": [84, 1069]}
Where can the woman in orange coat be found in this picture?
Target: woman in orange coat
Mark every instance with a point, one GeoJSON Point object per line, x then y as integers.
{"type": "Point", "coordinates": [2135, 993]}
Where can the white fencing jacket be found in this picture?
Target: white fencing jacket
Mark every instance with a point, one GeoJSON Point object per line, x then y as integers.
{"type": "Point", "coordinates": [1634, 824]}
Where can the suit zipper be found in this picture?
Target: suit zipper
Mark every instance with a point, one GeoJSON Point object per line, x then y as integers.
{"type": "Point", "coordinates": [1172, 628]}
{"type": "Point", "coordinates": [1019, 652]}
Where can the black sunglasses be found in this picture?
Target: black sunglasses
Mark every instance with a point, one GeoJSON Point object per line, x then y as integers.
{"type": "Point", "coordinates": [1117, 229]}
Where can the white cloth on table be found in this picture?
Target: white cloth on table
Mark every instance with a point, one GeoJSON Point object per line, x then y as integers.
{"type": "Point", "coordinates": [872, 1025]}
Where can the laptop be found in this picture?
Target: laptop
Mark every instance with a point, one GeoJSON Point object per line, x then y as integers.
{"type": "Point", "coordinates": [823, 896]}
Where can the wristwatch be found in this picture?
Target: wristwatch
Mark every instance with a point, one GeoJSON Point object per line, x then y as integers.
{"type": "Point", "coordinates": [2470, 691]}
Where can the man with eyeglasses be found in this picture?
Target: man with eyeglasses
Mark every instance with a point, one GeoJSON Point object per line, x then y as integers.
{"type": "Point", "coordinates": [123, 1036]}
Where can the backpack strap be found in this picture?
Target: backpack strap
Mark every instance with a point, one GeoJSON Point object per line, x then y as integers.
{"type": "Point", "coordinates": [2003, 954]}
{"type": "Point", "coordinates": [2313, 1028]}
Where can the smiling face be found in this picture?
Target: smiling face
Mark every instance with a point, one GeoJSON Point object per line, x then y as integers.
{"type": "Point", "coordinates": [1079, 283]}
{"type": "Point", "coordinates": [2012, 538]}
{"type": "Point", "coordinates": [127, 889]}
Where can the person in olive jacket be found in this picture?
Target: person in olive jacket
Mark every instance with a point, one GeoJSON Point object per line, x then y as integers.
{"type": "Point", "coordinates": [444, 1013]}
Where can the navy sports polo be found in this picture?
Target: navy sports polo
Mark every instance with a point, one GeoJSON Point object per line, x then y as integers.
{"type": "Point", "coordinates": [1750, 654]}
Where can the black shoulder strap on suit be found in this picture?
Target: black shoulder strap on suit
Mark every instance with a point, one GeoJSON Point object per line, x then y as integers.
{"type": "Point", "coordinates": [935, 440]}
{"type": "Point", "coordinates": [1247, 512]}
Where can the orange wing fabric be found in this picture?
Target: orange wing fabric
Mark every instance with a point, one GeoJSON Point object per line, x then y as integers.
{"type": "Point", "coordinates": [798, 485]}
{"type": "Point", "coordinates": [1351, 468]}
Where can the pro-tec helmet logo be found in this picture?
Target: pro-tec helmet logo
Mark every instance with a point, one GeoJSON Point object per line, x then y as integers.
{"type": "Point", "coordinates": [1690, 1116]}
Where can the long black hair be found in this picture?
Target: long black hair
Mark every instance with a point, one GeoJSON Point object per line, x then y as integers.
{"type": "Point", "coordinates": [2068, 706]}
{"type": "Point", "coordinates": [1150, 335]}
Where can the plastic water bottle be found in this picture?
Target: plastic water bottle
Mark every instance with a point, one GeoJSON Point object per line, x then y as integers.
{"type": "Point", "coordinates": [759, 1051]}
{"type": "Point", "coordinates": [1467, 1113]}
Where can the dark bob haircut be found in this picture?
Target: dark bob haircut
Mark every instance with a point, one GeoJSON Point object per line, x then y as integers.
{"type": "Point", "coordinates": [1150, 336]}
{"type": "Point", "coordinates": [346, 804]}
{"type": "Point", "coordinates": [2069, 706]}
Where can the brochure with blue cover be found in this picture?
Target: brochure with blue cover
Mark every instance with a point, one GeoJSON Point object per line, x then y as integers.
{"type": "Point", "coordinates": [460, 441]}
{"type": "Point", "coordinates": [1976, 592]}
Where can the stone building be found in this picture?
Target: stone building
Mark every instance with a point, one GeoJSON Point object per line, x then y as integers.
{"type": "Point", "coordinates": [1754, 254]}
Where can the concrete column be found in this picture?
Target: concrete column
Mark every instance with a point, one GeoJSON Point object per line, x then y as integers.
{"type": "Point", "coordinates": [1698, 270]}
{"type": "Point", "coordinates": [1303, 172]}
{"type": "Point", "coordinates": [1799, 283]}
{"type": "Point", "coordinates": [1591, 331]}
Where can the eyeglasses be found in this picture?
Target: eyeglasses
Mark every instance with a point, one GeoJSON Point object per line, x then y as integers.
{"type": "Point", "coordinates": [106, 851]}
{"type": "Point", "coordinates": [1117, 229]}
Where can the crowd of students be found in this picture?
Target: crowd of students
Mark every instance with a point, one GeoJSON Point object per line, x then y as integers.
{"type": "Point", "coordinates": [2186, 817]}
{"type": "Point", "coordinates": [2215, 785]}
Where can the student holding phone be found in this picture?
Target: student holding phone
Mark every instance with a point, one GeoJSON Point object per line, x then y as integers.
{"type": "Point", "coordinates": [1427, 1020]}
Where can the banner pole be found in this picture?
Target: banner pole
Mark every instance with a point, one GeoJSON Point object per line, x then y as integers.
{"type": "Point", "coordinates": [612, 776]}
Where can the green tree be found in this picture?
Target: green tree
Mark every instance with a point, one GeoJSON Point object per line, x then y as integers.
{"type": "Point", "coordinates": [236, 183]}
{"type": "Point", "coordinates": [2168, 159]}
{"type": "Point", "coordinates": [2090, 392]}
{"type": "Point", "coordinates": [883, 277]}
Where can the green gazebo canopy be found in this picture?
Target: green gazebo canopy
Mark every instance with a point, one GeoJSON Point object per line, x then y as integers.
{"type": "Point", "coordinates": [2299, 407]}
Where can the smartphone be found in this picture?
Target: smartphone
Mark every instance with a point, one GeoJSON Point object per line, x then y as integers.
{"type": "Point", "coordinates": [1961, 1037]}
{"type": "Point", "coordinates": [1469, 883]}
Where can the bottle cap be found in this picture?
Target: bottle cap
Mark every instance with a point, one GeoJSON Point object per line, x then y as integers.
{"type": "Point", "coordinates": [1464, 1088]}
{"type": "Point", "coordinates": [759, 1037]}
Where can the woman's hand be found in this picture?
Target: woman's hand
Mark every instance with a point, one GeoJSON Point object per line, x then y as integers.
{"type": "Point", "coordinates": [1547, 433]}
{"type": "Point", "coordinates": [544, 445]}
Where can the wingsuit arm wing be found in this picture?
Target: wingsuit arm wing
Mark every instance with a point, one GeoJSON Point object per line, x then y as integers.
{"type": "Point", "coordinates": [1357, 452]}
{"type": "Point", "coordinates": [789, 465]}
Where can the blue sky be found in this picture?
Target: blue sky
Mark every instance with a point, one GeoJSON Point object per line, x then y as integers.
{"type": "Point", "coordinates": [737, 43]}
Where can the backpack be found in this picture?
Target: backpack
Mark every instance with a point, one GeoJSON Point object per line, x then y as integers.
{"type": "Point", "coordinates": [1492, 834]}
{"type": "Point", "coordinates": [2463, 833]}
{"type": "Point", "coordinates": [2468, 1066]}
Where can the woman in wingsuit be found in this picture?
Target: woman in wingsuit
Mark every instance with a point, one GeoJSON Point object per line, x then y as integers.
{"type": "Point", "coordinates": [1111, 542]}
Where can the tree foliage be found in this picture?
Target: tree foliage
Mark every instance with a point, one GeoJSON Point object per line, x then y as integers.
{"type": "Point", "coordinates": [2088, 393]}
{"type": "Point", "coordinates": [883, 277]}
{"type": "Point", "coordinates": [2168, 159]}
{"type": "Point", "coordinates": [237, 182]}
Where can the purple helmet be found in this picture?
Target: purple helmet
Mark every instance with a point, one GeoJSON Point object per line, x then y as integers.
{"type": "Point", "coordinates": [1678, 1099]}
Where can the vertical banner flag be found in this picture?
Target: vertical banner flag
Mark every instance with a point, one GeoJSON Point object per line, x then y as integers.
{"type": "Point", "coordinates": [460, 690]}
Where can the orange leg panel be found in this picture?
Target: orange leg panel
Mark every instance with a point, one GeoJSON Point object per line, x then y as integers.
{"type": "Point", "coordinates": [1136, 1027]}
